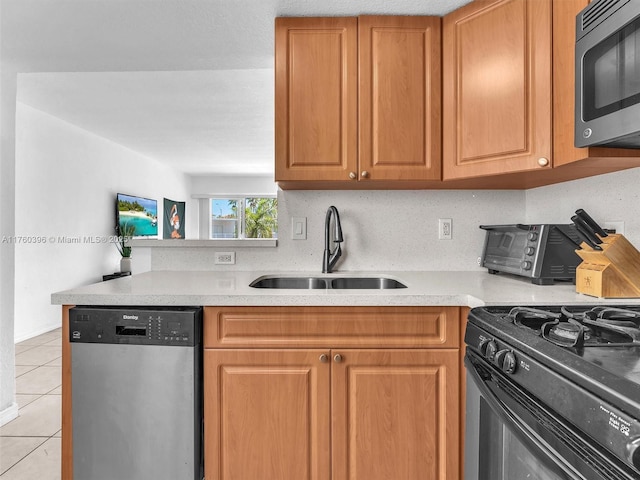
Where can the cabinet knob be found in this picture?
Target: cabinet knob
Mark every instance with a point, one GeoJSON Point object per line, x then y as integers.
{"type": "Point", "coordinates": [324, 358]}
{"type": "Point", "coordinates": [365, 174]}
{"type": "Point", "coordinates": [337, 358]}
{"type": "Point", "coordinates": [543, 162]}
{"type": "Point", "coordinates": [352, 175]}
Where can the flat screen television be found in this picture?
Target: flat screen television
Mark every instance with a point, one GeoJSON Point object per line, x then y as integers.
{"type": "Point", "coordinates": [137, 213]}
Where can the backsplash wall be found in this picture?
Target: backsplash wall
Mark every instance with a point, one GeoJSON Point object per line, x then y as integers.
{"type": "Point", "coordinates": [383, 230]}
{"type": "Point", "coordinates": [611, 197]}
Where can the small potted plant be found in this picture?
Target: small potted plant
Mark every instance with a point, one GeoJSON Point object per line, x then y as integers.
{"type": "Point", "coordinates": [126, 232]}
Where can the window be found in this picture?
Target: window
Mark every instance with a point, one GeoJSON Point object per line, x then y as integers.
{"type": "Point", "coordinates": [244, 217]}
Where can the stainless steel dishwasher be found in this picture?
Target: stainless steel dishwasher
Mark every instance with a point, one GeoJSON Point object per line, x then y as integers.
{"type": "Point", "coordinates": [136, 382]}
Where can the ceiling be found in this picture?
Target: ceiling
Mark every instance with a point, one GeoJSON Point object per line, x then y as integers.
{"type": "Point", "coordinates": [186, 82]}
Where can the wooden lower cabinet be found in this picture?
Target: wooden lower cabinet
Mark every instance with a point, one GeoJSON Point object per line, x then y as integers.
{"type": "Point", "coordinates": [395, 415]}
{"type": "Point", "coordinates": [339, 413]}
{"type": "Point", "coordinates": [266, 415]}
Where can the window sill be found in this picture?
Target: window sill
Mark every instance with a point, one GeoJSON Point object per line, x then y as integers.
{"type": "Point", "coordinates": [187, 243]}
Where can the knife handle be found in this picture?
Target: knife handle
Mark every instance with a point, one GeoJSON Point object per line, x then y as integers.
{"type": "Point", "coordinates": [579, 222]}
{"type": "Point", "coordinates": [591, 222]}
{"type": "Point", "coordinates": [585, 238]}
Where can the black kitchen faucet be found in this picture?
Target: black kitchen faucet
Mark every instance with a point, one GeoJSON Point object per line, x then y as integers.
{"type": "Point", "coordinates": [330, 258]}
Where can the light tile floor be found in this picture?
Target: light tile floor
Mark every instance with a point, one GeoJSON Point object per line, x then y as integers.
{"type": "Point", "coordinates": [30, 444]}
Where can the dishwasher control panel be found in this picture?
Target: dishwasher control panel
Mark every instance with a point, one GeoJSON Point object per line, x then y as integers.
{"type": "Point", "coordinates": [180, 326]}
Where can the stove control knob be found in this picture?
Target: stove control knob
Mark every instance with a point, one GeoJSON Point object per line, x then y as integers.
{"type": "Point", "coordinates": [532, 236]}
{"type": "Point", "coordinates": [633, 452]}
{"type": "Point", "coordinates": [529, 250]}
{"type": "Point", "coordinates": [490, 351]}
{"type": "Point", "coordinates": [526, 265]}
{"type": "Point", "coordinates": [506, 361]}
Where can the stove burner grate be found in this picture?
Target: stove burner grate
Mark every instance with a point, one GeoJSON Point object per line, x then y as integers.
{"type": "Point", "coordinates": [577, 327]}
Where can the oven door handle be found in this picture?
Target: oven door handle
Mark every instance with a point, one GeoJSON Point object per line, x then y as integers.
{"type": "Point", "coordinates": [517, 428]}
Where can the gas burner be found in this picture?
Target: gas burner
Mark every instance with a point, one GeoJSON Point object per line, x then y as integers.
{"type": "Point", "coordinates": [566, 334]}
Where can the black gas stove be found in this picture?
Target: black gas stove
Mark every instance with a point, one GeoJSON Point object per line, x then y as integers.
{"type": "Point", "coordinates": [580, 363]}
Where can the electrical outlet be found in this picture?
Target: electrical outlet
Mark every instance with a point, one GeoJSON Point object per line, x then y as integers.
{"type": "Point", "coordinates": [445, 226]}
{"type": "Point", "coordinates": [225, 258]}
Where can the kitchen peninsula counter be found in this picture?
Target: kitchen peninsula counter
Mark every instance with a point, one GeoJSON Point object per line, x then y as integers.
{"type": "Point", "coordinates": [231, 288]}
{"type": "Point", "coordinates": [250, 330]}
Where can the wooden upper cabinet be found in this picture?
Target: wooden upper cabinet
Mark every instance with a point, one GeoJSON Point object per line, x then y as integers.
{"type": "Point", "coordinates": [357, 100]}
{"type": "Point", "coordinates": [508, 97]}
{"type": "Point", "coordinates": [497, 88]}
{"type": "Point", "coordinates": [483, 98]}
{"type": "Point", "coordinates": [316, 98]}
{"type": "Point", "coordinates": [399, 98]}
{"type": "Point", "coordinates": [564, 151]}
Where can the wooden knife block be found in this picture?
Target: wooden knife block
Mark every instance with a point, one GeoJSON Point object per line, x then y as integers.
{"type": "Point", "coordinates": [613, 272]}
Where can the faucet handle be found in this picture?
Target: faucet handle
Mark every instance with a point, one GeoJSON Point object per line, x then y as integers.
{"type": "Point", "coordinates": [338, 236]}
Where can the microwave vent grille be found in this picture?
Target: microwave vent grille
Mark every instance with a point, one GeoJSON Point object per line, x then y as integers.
{"type": "Point", "coordinates": [599, 11]}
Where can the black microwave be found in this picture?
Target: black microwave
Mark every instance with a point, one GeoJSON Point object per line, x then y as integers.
{"type": "Point", "coordinates": [607, 100]}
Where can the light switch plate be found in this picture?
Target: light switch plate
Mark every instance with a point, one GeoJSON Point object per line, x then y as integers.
{"type": "Point", "coordinates": [298, 228]}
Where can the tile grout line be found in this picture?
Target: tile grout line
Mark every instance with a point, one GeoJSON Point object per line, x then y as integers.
{"type": "Point", "coordinates": [16, 463]}
{"type": "Point", "coordinates": [46, 438]}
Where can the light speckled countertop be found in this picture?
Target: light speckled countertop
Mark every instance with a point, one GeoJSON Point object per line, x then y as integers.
{"type": "Point", "coordinates": [232, 288]}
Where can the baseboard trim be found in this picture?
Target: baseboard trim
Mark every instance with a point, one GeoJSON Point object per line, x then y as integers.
{"type": "Point", "coordinates": [8, 414]}
{"type": "Point", "coordinates": [40, 331]}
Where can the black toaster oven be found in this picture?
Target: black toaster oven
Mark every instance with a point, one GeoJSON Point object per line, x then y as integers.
{"type": "Point", "coordinates": [544, 253]}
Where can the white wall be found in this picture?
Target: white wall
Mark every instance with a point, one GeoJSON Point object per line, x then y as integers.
{"type": "Point", "coordinates": [398, 230]}
{"type": "Point", "coordinates": [611, 197]}
{"type": "Point", "coordinates": [233, 185]}
{"type": "Point", "coordinates": [66, 181]}
{"type": "Point", "coordinates": [383, 230]}
{"type": "Point", "coordinates": [8, 406]}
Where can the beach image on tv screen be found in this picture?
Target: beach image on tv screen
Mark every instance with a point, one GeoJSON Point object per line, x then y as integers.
{"type": "Point", "coordinates": [141, 213]}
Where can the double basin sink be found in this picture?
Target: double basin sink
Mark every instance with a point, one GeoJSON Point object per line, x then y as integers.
{"type": "Point", "coordinates": [311, 282]}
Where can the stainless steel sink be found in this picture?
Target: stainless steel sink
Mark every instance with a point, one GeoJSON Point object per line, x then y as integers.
{"type": "Point", "coordinates": [290, 282]}
{"type": "Point", "coordinates": [377, 283]}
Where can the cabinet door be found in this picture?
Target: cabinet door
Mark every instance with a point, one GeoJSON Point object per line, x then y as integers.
{"type": "Point", "coordinates": [316, 98]}
{"type": "Point", "coordinates": [266, 415]}
{"type": "Point", "coordinates": [400, 98]}
{"type": "Point", "coordinates": [395, 415]}
{"type": "Point", "coordinates": [497, 88]}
